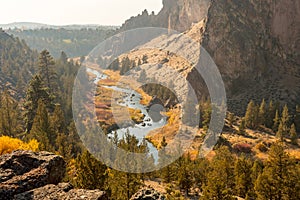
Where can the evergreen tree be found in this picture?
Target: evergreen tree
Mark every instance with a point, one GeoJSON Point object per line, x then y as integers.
{"type": "Point", "coordinates": [47, 72]}
{"type": "Point", "coordinates": [58, 122]}
{"type": "Point", "coordinates": [280, 177]}
{"type": "Point", "coordinates": [64, 146]}
{"type": "Point", "coordinates": [276, 121]}
{"type": "Point", "coordinates": [220, 180]}
{"type": "Point", "coordinates": [126, 64]}
{"type": "Point", "coordinates": [297, 119]}
{"type": "Point", "coordinates": [166, 172]}
{"type": "Point", "coordinates": [293, 134]}
{"type": "Point", "coordinates": [256, 170]}
{"type": "Point", "coordinates": [262, 113]}
{"type": "Point", "coordinates": [251, 116]}
{"type": "Point", "coordinates": [36, 91]}
{"type": "Point", "coordinates": [90, 173]}
{"type": "Point", "coordinates": [41, 128]}
{"type": "Point", "coordinates": [270, 115]}
{"type": "Point", "coordinates": [242, 173]}
{"type": "Point", "coordinates": [284, 123]}
{"type": "Point", "coordinates": [115, 65]}
{"type": "Point", "coordinates": [10, 123]}
{"type": "Point", "coordinates": [123, 185]}
{"type": "Point", "coordinates": [242, 127]}
{"type": "Point", "coordinates": [184, 173]}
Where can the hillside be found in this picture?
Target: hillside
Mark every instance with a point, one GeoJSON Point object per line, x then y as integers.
{"type": "Point", "coordinates": [251, 37]}
{"type": "Point", "coordinates": [75, 40]}
{"type": "Point", "coordinates": [17, 64]}
{"type": "Point", "coordinates": [32, 25]}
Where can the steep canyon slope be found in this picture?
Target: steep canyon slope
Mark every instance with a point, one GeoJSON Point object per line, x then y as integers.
{"type": "Point", "coordinates": [254, 43]}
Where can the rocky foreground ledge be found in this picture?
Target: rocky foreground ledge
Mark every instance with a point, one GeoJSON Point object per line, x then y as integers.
{"type": "Point", "coordinates": [27, 175]}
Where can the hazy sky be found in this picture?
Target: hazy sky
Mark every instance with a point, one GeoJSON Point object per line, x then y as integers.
{"type": "Point", "coordinates": [61, 12]}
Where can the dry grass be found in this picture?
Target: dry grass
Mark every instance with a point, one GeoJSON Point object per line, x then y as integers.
{"type": "Point", "coordinates": [168, 131]}
{"type": "Point", "coordinates": [106, 116]}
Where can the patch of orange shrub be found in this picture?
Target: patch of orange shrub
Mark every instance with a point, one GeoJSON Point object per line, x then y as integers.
{"type": "Point", "coordinates": [8, 144]}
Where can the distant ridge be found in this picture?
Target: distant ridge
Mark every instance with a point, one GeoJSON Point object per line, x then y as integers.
{"type": "Point", "coordinates": [33, 25]}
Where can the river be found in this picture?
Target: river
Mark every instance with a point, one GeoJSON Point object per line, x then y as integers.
{"type": "Point", "coordinates": [132, 100]}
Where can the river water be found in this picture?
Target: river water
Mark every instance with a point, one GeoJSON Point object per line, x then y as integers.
{"type": "Point", "coordinates": [132, 100]}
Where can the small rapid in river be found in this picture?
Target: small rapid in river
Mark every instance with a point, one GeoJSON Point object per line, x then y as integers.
{"type": "Point", "coordinates": [131, 99]}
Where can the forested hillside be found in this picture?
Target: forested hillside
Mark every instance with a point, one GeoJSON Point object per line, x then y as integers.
{"type": "Point", "coordinates": [17, 64]}
{"type": "Point", "coordinates": [75, 42]}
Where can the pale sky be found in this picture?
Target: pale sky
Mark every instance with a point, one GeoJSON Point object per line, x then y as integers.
{"type": "Point", "coordinates": [63, 12]}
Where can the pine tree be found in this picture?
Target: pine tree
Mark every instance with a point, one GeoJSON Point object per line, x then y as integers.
{"type": "Point", "coordinates": [64, 146]}
{"type": "Point", "coordinates": [262, 113]}
{"type": "Point", "coordinates": [58, 122]}
{"type": "Point", "coordinates": [251, 116]}
{"type": "Point", "coordinates": [184, 173]}
{"type": "Point", "coordinates": [36, 91]}
{"type": "Point", "coordinates": [242, 127]}
{"type": "Point", "coordinates": [90, 173]}
{"type": "Point", "coordinates": [256, 170]}
{"type": "Point", "coordinates": [220, 179]}
{"type": "Point", "coordinates": [125, 66]}
{"type": "Point", "coordinates": [41, 128]}
{"type": "Point", "coordinates": [242, 173]}
{"type": "Point", "coordinates": [276, 121]}
{"type": "Point", "coordinates": [284, 123]}
{"type": "Point", "coordinates": [280, 177]}
{"type": "Point", "coordinates": [122, 184]}
{"type": "Point", "coordinates": [297, 119]}
{"type": "Point", "coordinates": [10, 123]}
{"type": "Point", "coordinates": [270, 115]}
{"type": "Point", "coordinates": [293, 134]}
{"type": "Point", "coordinates": [47, 72]}
{"type": "Point", "coordinates": [166, 172]}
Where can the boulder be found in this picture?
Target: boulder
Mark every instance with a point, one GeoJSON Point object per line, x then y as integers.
{"type": "Point", "coordinates": [147, 193]}
{"type": "Point", "coordinates": [21, 171]}
{"type": "Point", "coordinates": [62, 191]}
{"type": "Point", "coordinates": [27, 175]}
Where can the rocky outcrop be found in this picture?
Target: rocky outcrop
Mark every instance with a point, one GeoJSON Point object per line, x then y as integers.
{"type": "Point", "coordinates": [254, 43]}
{"type": "Point", "coordinates": [36, 175]}
{"type": "Point", "coordinates": [285, 25]}
{"type": "Point", "coordinates": [248, 46]}
{"type": "Point", "coordinates": [147, 194]}
{"type": "Point", "coordinates": [24, 170]}
{"type": "Point", "coordinates": [62, 191]}
{"type": "Point", "coordinates": [178, 15]}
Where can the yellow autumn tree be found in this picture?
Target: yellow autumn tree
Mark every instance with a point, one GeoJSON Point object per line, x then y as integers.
{"type": "Point", "coordinates": [8, 144]}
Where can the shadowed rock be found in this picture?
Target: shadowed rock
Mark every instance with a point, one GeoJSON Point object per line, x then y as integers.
{"type": "Point", "coordinates": [62, 191]}
{"type": "Point", "coordinates": [27, 175]}
{"type": "Point", "coordinates": [147, 193]}
{"type": "Point", "coordinates": [21, 171]}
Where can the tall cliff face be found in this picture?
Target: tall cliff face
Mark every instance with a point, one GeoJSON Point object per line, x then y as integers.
{"type": "Point", "coordinates": [178, 15]}
{"type": "Point", "coordinates": [286, 25]}
{"type": "Point", "coordinates": [256, 55]}
{"type": "Point", "coordinates": [255, 44]}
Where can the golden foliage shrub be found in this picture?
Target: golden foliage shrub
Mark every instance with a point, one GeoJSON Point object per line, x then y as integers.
{"type": "Point", "coordinates": [8, 144]}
